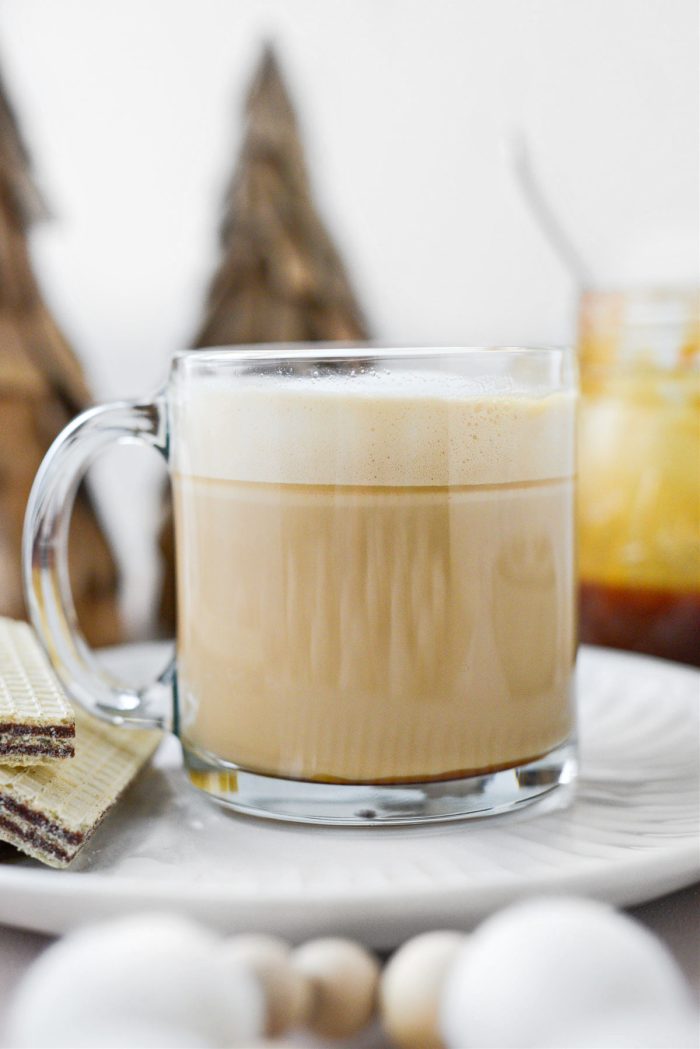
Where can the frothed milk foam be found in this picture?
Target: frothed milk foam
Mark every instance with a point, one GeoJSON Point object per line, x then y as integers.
{"type": "Point", "coordinates": [375, 574]}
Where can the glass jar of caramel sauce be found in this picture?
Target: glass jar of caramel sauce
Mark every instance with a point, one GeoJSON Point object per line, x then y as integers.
{"type": "Point", "coordinates": [639, 471]}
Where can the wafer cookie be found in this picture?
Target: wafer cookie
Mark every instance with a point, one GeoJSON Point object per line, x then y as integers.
{"type": "Point", "coordinates": [36, 720]}
{"type": "Point", "coordinates": [51, 811]}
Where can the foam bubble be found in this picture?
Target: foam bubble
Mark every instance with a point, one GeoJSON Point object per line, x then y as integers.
{"type": "Point", "coordinates": [373, 427]}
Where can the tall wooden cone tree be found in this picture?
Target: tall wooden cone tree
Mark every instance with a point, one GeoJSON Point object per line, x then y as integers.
{"type": "Point", "coordinates": [42, 387]}
{"type": "Point", "coordinates": [280, 277]}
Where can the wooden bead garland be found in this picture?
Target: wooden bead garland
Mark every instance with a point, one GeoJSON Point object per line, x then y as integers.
{"type": "Point", "coordinates": [553, 960]}
{"type": "Point", "coordinates": [332, 986]}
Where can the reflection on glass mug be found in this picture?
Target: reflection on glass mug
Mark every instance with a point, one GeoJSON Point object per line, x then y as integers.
{"type": "Point", "coordinates": [528, 596]}
{"type": "Point", "coordinates": [375, 577]}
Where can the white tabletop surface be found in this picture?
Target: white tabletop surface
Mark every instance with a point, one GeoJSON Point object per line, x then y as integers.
{"type": "Point", "coordinates": [675, 919]}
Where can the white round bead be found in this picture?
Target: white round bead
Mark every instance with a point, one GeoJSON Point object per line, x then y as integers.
{"type": "Point", "coordinates": [669, 1030]}
{"type": "Point", "coordinates": [287, 991]}
{"type": "Point", "coordinates": [411, 986]}
{"type": "Point", "coordinates": [344, 978]}
{"type": "Point", "coordinates": [160, 970]}
{"type": "Point", "coordinates": [116, 1034]}
{"type": "Point", "coordinates": [536, 973]}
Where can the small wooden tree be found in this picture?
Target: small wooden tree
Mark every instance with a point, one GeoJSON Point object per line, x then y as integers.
{"type": "Point", "coordinates": [280, 277]}
{"type": "Point", "coordinates": [42, 387]}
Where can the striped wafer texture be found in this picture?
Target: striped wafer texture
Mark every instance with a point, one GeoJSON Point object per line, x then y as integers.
{"type": "Point", "coordinates": [37, 723]}
{"type": "Point", "coordinates": [51, 811]}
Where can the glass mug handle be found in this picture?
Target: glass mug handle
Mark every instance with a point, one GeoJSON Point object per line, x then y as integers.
{"type": "Point", "coordinates": [45, 563]}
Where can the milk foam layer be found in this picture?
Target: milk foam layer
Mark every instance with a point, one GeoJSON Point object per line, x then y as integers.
{"type": "Point", "coordinates": [408, 429]}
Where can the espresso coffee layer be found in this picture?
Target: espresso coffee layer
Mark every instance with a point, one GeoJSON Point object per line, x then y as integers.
{"type": "Point", "coordinates": [352, 630]}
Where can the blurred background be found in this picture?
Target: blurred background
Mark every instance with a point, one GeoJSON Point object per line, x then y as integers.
{"type": "Point", "coordinates": [408, 112]}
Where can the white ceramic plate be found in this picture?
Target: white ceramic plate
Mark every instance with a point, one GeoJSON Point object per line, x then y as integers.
{"type": "Point", "coordinates": [632, 833]}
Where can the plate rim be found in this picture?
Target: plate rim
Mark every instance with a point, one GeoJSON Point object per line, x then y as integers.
{"type": "Point", "coordinates": [675, 865]}
{"type": "Point", "coordinates": [685, 854]}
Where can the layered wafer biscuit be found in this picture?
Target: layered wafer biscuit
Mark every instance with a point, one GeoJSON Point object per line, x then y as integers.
{"type": "Point", "coordinates": [36, 720]}
{"type": "Point", "coordinates": [51, 811]}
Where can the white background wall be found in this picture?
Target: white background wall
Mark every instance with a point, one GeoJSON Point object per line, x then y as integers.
{"type": "Point", "coordinates": [131, 109]}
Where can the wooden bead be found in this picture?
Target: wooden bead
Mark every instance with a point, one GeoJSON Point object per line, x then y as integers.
{"type": "Point", "coordinates": [410, 989]}
{"type": "Point", "coordinates": [344, 978]}
{"type": "Point", "coordinates": [287, 991]}
{"type": "Point", "coordinates": [273, 1045]}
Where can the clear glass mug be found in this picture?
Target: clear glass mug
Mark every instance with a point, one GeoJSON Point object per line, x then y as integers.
{"type": "Point", "coordinates": [376, 583]}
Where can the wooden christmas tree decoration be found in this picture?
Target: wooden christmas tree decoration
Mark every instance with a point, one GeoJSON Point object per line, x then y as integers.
{"type": "Point", "coordinates": [42, 387]}
{"type": "Point", "coordinates": [280, 278]}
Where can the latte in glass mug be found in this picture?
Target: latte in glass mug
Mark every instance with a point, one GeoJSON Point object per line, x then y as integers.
{"type": "Point", "coordinates": [375, 565]}
{"type": "Point", "coordinates": [375, 576]}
